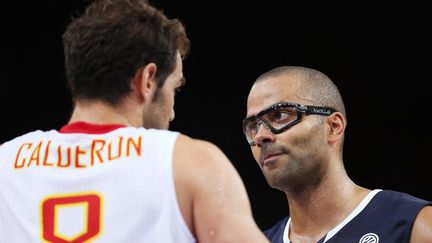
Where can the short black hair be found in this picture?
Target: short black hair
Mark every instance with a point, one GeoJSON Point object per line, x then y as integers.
{"type": "Point", "coordinates": [316, 85]}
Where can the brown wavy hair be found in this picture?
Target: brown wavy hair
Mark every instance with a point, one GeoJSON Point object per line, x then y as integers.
{"type": "Point", "coordinates": [106, 46]}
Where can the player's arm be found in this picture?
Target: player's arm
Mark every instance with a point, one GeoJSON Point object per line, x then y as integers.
{"type": "Point", "coordinates": [220, 208]}
{"type": "Point", "coordinates": [422, 229]}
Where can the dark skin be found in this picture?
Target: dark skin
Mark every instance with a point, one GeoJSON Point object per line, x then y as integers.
{"type": "Point", "coordinates": [306, 163]}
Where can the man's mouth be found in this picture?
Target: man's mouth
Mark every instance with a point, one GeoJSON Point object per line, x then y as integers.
{"type": "Point", "coordinates": [268, 158]}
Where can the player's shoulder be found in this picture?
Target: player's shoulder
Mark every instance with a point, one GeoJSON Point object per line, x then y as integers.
{"type": "Point", "coordinates": [200, 164]}
{"type": "Point", "coordinates": [24, 137]}
{"type": "Point", "coordinates": [422, 228]}
{"type": "Point", "coordinates": [12, 144]}
{"type": "Point", "coordinates": [403, 198]}
{"type": "Point", "coordinates": [195, 146]}
{"type": "Point", "coordinates": [199, 154]}
{"type": "Point", "coordinates": [187, 140]}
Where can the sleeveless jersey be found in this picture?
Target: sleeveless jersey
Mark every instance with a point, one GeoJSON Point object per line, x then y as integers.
{"type": "Point", "coordinates": [383, 216]}
{"type": "Point", "coordinates": [112, 185]}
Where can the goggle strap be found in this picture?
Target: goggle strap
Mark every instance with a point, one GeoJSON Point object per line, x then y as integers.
{"type": "Point", "coordinates": [324, 111]}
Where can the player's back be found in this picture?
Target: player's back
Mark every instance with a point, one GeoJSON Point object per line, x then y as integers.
{"type": "Point", "coordinates": [90, 183]}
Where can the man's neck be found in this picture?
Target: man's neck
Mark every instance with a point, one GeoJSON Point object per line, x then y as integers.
{"type": "Point", "coordinates": [316, 211]}
{"type": "Point", "coordinates": [99, 112]}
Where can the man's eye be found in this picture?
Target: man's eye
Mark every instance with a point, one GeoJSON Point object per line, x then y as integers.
{"type": "Point", "coordinates": [280, 116]}
{"type": "Point", "coordinates": [283, 114]}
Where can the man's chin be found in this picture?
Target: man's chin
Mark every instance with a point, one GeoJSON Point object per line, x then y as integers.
{"type": "Point", "coordinates": [275, 181]}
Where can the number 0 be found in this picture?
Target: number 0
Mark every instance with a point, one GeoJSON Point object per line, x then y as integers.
{"type": "Point", "coordinates": [50, 217]}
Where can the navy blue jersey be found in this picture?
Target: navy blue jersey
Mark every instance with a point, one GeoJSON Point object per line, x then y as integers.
{"type": "Point", "coordinates": [387, 217]}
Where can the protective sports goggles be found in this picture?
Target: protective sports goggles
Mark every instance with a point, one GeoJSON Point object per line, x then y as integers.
{"type": "Point", "coordinates": [280, 117]}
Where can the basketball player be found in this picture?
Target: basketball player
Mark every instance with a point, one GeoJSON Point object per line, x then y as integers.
{"type": "Point", "coordinates": [113, 174]}
{"type": "Point", "coordinates": [295, 126]}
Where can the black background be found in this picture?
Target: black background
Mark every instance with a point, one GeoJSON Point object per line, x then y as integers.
{"type": "Point", "coordinates": [378, 54]}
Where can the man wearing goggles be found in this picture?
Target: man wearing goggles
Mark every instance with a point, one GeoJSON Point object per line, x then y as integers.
{"type": "Point", "coordinates": [295, 126]}
{"type": "Point", "coordinates": [279, 117]}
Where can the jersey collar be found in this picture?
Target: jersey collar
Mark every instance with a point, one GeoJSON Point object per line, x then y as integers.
{"type": "Point", "coordinates": [89, 128]}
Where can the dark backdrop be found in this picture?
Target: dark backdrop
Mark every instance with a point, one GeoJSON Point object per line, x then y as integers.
{"type": "Point", "coordinates": [378, 54]}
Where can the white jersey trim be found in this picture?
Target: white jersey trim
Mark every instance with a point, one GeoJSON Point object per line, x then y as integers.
{"type": "Point", "coordinates": [336, 229]}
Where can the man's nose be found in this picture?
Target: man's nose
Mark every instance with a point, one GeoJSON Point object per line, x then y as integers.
{"type": "Point", "coordinates": [263, 135]}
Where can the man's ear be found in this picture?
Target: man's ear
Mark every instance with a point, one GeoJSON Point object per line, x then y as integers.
{"type": "Point", "coordinates": [336, 125]}
{"type": "Point", "coordinates": [144, 82]}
